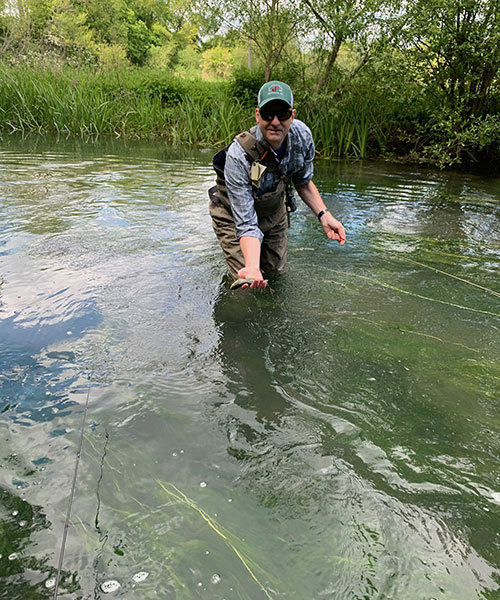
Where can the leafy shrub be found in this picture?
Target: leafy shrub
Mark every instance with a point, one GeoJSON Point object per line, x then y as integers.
{"type": "Point", "coordinates": [139, 40]}
{"type": "Point", "coordinates": [464, 144]}
{"type": "Point", "coordinates": [169, 90]}
{"type": "Point", "coordinates": [216, 62]}
{"type": "Point", "coordinates": [112, 57]}
{"type": "Point", "coordinates": [245, 85]}
{"type": "Point", "coordinates": [160, 57]}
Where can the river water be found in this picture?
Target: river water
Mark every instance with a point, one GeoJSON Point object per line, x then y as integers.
{"type": "Point", "coordinates": [335, 437]}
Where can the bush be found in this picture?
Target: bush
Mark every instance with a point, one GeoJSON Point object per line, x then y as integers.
{"type": "Point", "coordinates": [464, 144]}
{"type": "Point", "coordinates": [216, 62]}
{"type": "Point", "coordinates": [160, 57]}
{"type": "Point", "coordinates": [163, 86]}
{"type": "Point", "coordinates": [245, 85]}
{"type": "Point", "coordinates": [189, 63]}
{"type": "Point", "coordinates": [112, 57]}
{"type": "Point", "coordinates": [139, 40]}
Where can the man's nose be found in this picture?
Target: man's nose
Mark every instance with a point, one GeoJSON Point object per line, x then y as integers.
{"type": "Point", "coordinates": [275, 121]}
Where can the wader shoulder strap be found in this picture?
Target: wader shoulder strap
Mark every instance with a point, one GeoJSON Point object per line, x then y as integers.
{"type": "Point", "coordinates": [251, 146]}
{"type": "Point", "coordinates": [256, 152]}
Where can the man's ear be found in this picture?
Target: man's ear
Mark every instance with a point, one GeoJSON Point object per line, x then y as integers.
{"type": "Point", "coordinates": [257, 115]}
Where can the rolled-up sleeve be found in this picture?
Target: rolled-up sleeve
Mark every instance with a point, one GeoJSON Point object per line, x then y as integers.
{"type": "Point", "coordinates": [239, 190]}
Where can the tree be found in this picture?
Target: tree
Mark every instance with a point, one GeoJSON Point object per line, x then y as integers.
{"type": "Point", "coordinates": [217, 62]}
{"type": "Point", "coordinates": [139, 40]}
{"type": "Point", "coordinates": [108, 20]}
{"type": "Point", "coordinates": [68, 30]}
{"type": "Point", "coordinates": [457, 44]}
{"type": "Point", "coordinates": [270, 25]}
{"type": "Point", "coordinates": [40, 12]}
{"type": "Point", "coordinates": [342, 21]}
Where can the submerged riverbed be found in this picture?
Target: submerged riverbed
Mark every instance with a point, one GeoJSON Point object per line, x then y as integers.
{"type": "Point", "coordinates": [336, 437]}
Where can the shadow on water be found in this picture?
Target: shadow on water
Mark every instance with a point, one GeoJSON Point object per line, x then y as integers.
{"type": "Point", "coordinates": [21, 574]}
{"type": "Point", "coordinates": [39, 378]}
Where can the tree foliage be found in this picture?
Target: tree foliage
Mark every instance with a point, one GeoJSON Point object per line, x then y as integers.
{"type": "Point", "coordinates": [457, 42]}
{"type": "Point", "coordinates": [421, 77]}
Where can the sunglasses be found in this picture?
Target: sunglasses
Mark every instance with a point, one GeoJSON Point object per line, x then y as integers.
{"type": "Point", "coordinates": [268, 114]}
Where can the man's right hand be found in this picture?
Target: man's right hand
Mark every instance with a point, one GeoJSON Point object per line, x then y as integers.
{"type": "Point", "coordinates": [258, 283]}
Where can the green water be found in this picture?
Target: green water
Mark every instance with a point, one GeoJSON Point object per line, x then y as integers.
{"type": "Point", "coordinates": [334, 438]}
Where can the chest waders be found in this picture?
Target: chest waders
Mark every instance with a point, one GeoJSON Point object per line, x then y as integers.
{"type": "Point", "coordinates": [272, 211]}
{"type": "Point", "coordinates": [261, 160]}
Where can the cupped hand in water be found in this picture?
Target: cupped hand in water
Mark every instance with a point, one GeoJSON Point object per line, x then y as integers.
{"type": "Point", "coordinates": [255, 279]}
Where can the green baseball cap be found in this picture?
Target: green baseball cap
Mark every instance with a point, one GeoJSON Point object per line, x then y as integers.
{"type": "Point", "coordinates": [274, 90]}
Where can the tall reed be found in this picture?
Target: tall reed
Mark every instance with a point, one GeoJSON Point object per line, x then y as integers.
{"type": "Point", "coordinates": [339, 134]}
{"type": "Point", "coordinates": [143, 103]}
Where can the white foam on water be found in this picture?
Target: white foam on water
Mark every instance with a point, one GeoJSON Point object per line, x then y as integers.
{"type": "Point", "coordinates": [110, 586]}
{"type": "Point", "coordinates": [140, 576]}
{"type": "Point", "coordinates": [50, 583]}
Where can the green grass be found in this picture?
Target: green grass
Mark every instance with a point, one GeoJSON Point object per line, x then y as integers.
{"type": "Point", "coordinates": [340, 134]}
{"type": "Point", "coordinates": [143, 103]}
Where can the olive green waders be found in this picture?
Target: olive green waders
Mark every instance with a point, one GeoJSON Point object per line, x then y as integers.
{"type": "Point", "coordinates": [273, 251]}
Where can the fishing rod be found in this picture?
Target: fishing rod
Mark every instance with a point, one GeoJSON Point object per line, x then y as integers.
{"type": "Point", "coordinates": [71, 496]}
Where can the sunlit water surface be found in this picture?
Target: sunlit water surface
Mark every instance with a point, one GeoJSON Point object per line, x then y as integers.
{"type": "Point", "coordinates": [334, 438]}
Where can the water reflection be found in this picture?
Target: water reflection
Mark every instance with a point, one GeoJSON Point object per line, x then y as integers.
{"type": "Point", "coordinates": [24, 574]}
{"type": "Point", "coordinates": [423, 205]}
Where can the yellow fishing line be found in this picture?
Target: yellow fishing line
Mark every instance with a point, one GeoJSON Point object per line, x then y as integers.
{"type": "Point", "coordinates": [392, 287]}
{"type": "Point", "coordinates": [181, 497]}
{"type": "Point", "coordinates": [404, 330]}
{"type": "Point", "coordinates": [481, 287]}
{"type": "Point", "coordinates": [435, 337]}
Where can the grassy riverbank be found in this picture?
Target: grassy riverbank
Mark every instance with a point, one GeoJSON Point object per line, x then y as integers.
{"type": "Point", "coordinates": [144, 103]}
{"type": "Point", "coordinates": [135, 103]}
{"type": "Point", "coordinates": [148, 103]}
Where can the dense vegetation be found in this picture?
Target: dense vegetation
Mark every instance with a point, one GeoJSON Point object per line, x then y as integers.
{"type": "Point", "coordinates": [417, 80]}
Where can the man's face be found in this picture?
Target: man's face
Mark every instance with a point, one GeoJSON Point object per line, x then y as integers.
{"type": "Point", "coordinates": [273, 128]}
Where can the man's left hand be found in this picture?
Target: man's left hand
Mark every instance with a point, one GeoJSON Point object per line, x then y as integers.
{"type": "Point", "coordinates": [333, 228]}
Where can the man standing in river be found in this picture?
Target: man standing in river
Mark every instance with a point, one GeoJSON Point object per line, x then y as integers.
{"type": "Point", "coordinates": [248, 209]}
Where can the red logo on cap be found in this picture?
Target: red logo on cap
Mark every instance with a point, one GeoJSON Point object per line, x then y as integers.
{"type": "Point", "coordinates": [275, 88]}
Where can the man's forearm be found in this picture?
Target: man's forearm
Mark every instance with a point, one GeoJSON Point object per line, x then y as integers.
{"type": "Point", "coordinates": [333, 228]}
{"type": "Point", "coordinates": [250, 247]}
{"type": "Point", "coordinates": [310, 195]}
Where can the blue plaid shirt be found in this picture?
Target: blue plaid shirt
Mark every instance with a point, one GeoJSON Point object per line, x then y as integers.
{"type": "Point", "coordinates": [297, 162]}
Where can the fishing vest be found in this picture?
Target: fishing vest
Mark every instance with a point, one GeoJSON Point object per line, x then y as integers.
{"type": "Point", "coordinates": [260, 160]}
